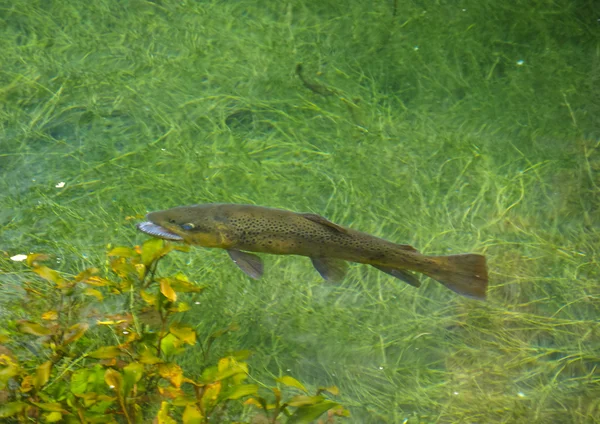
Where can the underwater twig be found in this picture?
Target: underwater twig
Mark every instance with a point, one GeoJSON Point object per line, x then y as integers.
{"type": "Point", "coordinates": [151, 272]}
{"type": "Point", "coordinates": [568, 105]}
{"type": "Point", "coordinates": [161, 334]}
{"type": "Point", "coordinates": [313, 86]}
{"type": "Point", "coordinates": [326, 91]}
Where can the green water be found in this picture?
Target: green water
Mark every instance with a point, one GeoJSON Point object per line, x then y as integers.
{"type": "Point", "coordinates": [469, 126]}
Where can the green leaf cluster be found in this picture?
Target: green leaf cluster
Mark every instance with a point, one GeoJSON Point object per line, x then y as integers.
{"type": "Point", "coordinates": [55, 365]}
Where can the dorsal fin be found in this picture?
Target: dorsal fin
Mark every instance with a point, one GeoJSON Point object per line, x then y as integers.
{"type": "Point", "coordinates": [324, 221]}
{"type": "Point", "coordinates": [401, 274]}
{"type": "Point", "coordinates": [406, 247]}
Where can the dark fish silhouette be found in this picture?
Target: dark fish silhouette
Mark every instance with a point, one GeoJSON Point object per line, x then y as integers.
{"type": "Point", "coordinates": [240, 229]}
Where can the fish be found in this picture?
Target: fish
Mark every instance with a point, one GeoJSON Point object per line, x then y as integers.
{"type": "Point", "coordinates": [241, 229]}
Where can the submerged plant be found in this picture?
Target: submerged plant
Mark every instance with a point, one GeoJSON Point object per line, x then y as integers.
{"type": "Point", "coordinates": [66, 361]}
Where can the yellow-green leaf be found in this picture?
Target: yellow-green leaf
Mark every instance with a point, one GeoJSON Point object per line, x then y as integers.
{"type": "Point", "coordinates": [192, 415]}
{"type": "Point", "coordinates": [84, 275]}
{"type": "Point", "coordinates": [140, 270]}
{"type": "Point", "coordinates": [125, 252]}
{"type": "Point", "coordinates": [292, 382]}
{"type": "Point", "coordinates": [48, 274]}
{"type": "Point", "coordinates": [183, 399]}
{"type": "Point", "coordinates": [50, 316]}
{"type": "Point", "coordinates": [169, 344]}
{"type": "Point", "coordinates": [42, 374]}
{"type": "Point", "coordinates": [9, 368]}
{"type": "Point", "coordinates": [98, 281]}
{"type": "Point", "coordinates": [132, 373]}
{"type": "Point", "coordinates": [260, 402]}
{"type": "Point", "coordinates": [170, 392]}
{"type": "Point", "coordinates": [79, 381]}
{"type": "Point", "coordinates": [11, 408]}
{"type": "Point", "coordinates": [331, 389]}
{"type": "Point", "coordinates": [210, 395]}
{"type": "Point", "coordinates": [148, 357]}
{"type": "Point", "coordinates": [167, 290]}
{"type": "Point", "coordinates": [181, 276]}
{"type": "Point", "coordinates": [65, 285]}
{"type": "Point", "coordinates": [256, 402]}
{"type": "Point", "coordinates": [225, 363]}
{"type": "Point", "coordinates": [228, 367]}
{"type": "Point", "coordinates": [34, 257]}
{"type": "Point", "coordinates": [152, 249]}
{"type": "Point", "coordinates": [134, 370]}
{"type": "Point", "coordinates": [184, 333]}
{"type": "Point", "coordinates": [163, 416]}
{"type": "Point", "coordinates": [53, 417]}
{"type": "Point", "coordinates": [88, 399]}
{"type": "Point", "coordinates": [171, 372]}
{"type": "Point", "coordinates": [184, 286]}
{"type": "Point", "coordinates": [180, 307]}
{"type": "Point", "coordinates": [93, 292]}
{"type": "Point", "coordinates": [149, 298]}
{"type": "Point", "coordinates": [242, 390]}
{"type": "Point", "coordinates": [111, 322]}
{"type": "Point", "coordinates": [122, 268]}
{"type": "Point", "coordinates": [26, 384]}
{"type": "Point", "coordinates": [105, 352]}
{"type": "Point", "coordinates": [302, 400]}
{"type": "Point", "coordinates": [33, 328]}
{"type": "Point", "coordinates": [75, 332]}
{"type": "Point", "coordinates": [341, 412]}
{"type": "Point", "coordinates": [50, 406]}
{"type": "Point", "coordinates": [308, 414]}
{"type": "Point", "coordinates": [113, 379]}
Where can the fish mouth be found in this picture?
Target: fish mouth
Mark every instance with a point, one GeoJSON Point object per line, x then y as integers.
{"type": "Point", "coordinates": [155, 230]}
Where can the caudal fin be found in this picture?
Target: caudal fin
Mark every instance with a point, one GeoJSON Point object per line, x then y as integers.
{"type": "Point", "coordinates": [464, 274]}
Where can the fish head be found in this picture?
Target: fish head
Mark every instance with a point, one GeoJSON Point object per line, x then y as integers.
{"type": "Point", "coordinates": [200, 225]}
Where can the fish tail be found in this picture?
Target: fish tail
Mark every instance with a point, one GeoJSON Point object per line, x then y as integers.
{"type": "Point", "coordinates": [464, 274]}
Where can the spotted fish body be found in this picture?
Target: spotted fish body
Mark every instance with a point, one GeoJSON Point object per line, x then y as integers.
{"type": "Point", "coordinates": [246, 228]}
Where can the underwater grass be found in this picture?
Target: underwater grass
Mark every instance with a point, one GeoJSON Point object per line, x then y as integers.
{"type": "Point", "coordinates": [452, 128]}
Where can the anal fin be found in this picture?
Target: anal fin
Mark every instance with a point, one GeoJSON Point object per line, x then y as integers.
{"type": "Point", "coordinates": [400, 274]}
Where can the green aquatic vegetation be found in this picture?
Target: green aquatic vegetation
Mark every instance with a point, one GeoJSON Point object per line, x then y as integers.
{"type": "Point", "coordinates": [473, 126]}
{"type": "Point", "coordinates": [67, 361]}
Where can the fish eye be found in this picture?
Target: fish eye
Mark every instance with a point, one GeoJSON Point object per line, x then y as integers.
{"type": "Point", "coordinates": [171, 221]}
{"type": "Point", "coordinates": [189, 226]}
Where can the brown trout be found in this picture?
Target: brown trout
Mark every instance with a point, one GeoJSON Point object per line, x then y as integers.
{"type": "Point", "coordinates": [240, 229]}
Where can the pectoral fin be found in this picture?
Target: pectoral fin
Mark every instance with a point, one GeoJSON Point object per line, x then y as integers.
{"type": "Point", "coordinates": [405, 276]}
{"type": "Point", "coordinates": [324, 221]}
{"type": "Point", "coordinates": [330, 269]}
{"type": "Point", "coordinates": [251, 264]}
